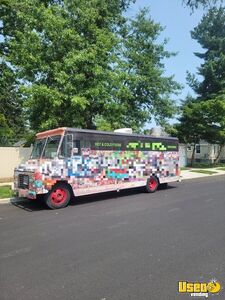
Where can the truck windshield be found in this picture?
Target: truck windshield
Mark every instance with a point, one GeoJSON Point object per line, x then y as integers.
{"type": "Point", "coordinates": [46, 149]}
{"type": "Point", "coordinates": [38, 148]}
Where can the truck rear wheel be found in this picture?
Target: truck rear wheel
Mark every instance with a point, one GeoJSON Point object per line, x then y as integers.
{"type": "Point", "coordinates": [152, 184]}
{"type": "Point", "coordinates": [58, 197]}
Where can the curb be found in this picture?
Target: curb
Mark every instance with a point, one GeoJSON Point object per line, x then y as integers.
{"type": "Point", "coordinates": [6, 200]}
{"type": "Point", "coordinates": [11, 200]}
{"type": "Point", "coordinates": [6, 183]}
{"type": "Point", "coordinates": [200, 175]}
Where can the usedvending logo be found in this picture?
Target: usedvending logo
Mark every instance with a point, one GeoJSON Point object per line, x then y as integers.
{"type": "Point", "coordinates": [199, 289]}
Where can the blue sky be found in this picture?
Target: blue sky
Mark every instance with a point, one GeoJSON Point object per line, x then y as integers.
{"type": "Point", "coordinates": [178, 21]}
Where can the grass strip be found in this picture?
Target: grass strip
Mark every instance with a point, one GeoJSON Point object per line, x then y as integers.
{"type": "Point", "coordinates": [221, 169]}
{"type": "Point", "coordinates": [206, 165]}
{"type": "Point", "coordinates": [5, 191]}
{"type": "Point", "coordinates": [204, 172]}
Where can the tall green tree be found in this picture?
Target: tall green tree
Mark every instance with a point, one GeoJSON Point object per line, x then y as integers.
{"type": "Point", "coordinates": [191, 127]}
{"type": "Point", "coordinates": [5, 132]}
{"type": "Point", "coordinates": [60, 50]}
{"type": "Point", "coordinates": [140, 90]}
{"type": "Point", "coordinates": [82, 64]}
{"type": "Point", "coordinates": [12, 123]}
{"type": "Point", "coordinates": [207, 110]}
{"type": "Point", "coordinates": [202, 120]}
{"type": "Point", "coordinates": [210, 34]}
{"type": "Point", "coordinates": [213, 113]}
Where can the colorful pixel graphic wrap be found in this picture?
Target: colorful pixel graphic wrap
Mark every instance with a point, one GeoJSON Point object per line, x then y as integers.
{"type": "Point", "coordinates": [103, 170]}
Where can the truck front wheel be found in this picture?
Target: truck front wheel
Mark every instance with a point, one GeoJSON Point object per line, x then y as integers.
{"type": "Point", "coordinates": [152, 184]}
{"type": "Point", "coordinates": [58, 197]}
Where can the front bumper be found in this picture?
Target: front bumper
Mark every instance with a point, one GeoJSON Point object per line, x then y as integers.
{"type": "Point", "coordinates": [26, 193]}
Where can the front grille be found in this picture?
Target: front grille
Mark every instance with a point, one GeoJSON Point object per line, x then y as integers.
{"type": "Point", "coordinates": [23, 181]}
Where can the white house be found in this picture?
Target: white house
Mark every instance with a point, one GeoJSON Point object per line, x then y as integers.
{"type": "Point", "coordinates": [205, 152]}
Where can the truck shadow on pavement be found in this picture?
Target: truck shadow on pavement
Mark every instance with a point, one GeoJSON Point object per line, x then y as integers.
{"type": "Point", "coordinates": [38, 204]}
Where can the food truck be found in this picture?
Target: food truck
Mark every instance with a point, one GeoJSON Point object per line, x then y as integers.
{"type": "Point", "coordinates": [67, 162]}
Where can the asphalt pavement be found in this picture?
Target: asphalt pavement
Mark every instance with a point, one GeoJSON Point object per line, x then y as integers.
{"type": "Point", "coordinates": [116, 246]}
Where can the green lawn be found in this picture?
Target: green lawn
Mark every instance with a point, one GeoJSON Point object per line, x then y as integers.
{"type": "Point", "coordinates": [207, 165]}
{"type": "Point", "coordinates": [5, 191]}
{"type": "Point", "coordinates": [204, 172]}
{"type": "Point", "coordinates": [222, 169]}
{"type": "Point", "coordinates": [184, 168]}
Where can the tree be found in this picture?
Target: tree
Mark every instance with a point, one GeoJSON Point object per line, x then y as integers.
{"type": "Point", "coordinates": [12, 122]}
{"type": "Point", "coordinates": [192, 127]}
{"type": "Point", "coordinates": [194, 4]}
{"type": "Point", "coordinates": [75, 66]}
{"type": "Point", "coordinates": [202, 120]}
{"type": "Point", "coordinates": [207, 110]}
{"type": "Point", "coordinates": [140, 89]}
{"type": "Point", "coordinates": [5, 132]}
{"type": "Point", "coordinates": [60, 50]}
{"type": "Point", "coordinates": [213, 112]}
{"type": "Point", "coordinates": [210, 34]}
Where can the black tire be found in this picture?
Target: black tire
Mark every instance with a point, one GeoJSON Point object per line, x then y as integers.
{"type": "Point", "coordinates": [152, 184]}
{"type": "Point", "coordinates": [58, 197]}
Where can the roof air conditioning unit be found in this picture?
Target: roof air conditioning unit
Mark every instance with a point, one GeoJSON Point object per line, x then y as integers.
{"type": "Point", "coordinates": [124, 130]}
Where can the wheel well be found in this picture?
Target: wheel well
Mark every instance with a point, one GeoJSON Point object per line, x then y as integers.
{"type": "Point", "coordinates": [67, 185]}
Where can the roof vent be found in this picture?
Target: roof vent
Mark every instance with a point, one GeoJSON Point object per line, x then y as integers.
{"type": "Point", "coordinates": [158, 131]}
{"type": "Point", "coordinates": [124, 130]}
